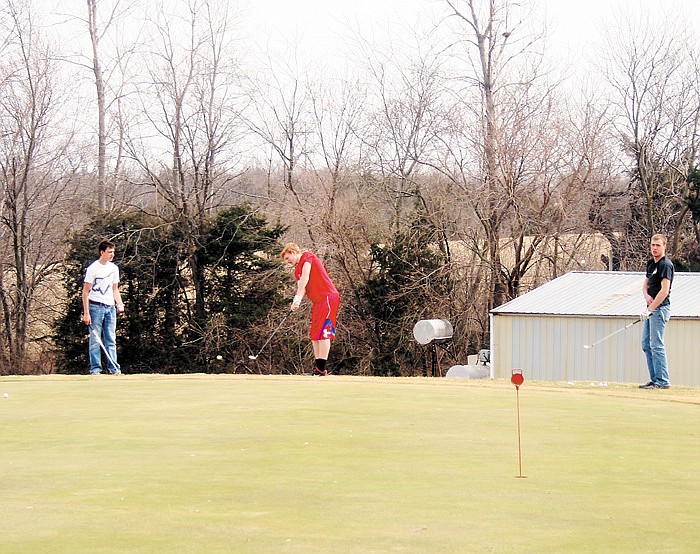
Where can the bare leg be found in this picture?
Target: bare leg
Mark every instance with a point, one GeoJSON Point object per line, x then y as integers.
{"type": "Point", "coordinates": [321, 348]}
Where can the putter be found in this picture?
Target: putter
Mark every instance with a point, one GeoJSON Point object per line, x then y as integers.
{"type": "Point", "coordinates": [588, 346]}
{"type": "Point", "coordinates": [102, 345]}
{"type": "Point", "coordinates": [255, 356]}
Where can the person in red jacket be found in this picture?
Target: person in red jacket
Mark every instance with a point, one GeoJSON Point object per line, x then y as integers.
{"type": "Point", "coordinates": [313, 280]}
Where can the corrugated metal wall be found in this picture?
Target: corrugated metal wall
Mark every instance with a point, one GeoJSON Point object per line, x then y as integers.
{"type": "Point", "coordinates": [550, 348]}
{"type": "Point", "coordinates": [682, 345]}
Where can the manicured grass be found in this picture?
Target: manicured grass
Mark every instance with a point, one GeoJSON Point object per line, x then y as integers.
{"type": "Point", "coordinates": [341, 464]}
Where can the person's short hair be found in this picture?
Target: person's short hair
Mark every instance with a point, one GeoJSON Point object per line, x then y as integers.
{"type": "Point", "coordinates": [662, 238]}
{"type": "Point", "coordinates": [290, 248]}
{"type": "Point", "coordinates": [104, 245]}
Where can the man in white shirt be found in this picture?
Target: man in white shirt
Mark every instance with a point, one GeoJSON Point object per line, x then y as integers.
{"type": "Point", "coordinates": [101, 302]}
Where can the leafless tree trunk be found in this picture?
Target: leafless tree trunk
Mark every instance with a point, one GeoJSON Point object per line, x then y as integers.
{"type": "Point", "coordinates": [33, 213]}
{"type": "Point", "coordinates": [101, 104]}
{"type": "Point", "coordinates": [493, 34]}
{"type": "Point", "coordinates": [117, 10]}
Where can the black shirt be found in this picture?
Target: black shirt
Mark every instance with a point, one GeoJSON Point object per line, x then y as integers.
{"type": "Point", "coordinates": [656, 271]}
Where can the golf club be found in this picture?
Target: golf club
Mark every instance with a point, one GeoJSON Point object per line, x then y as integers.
{"type": "Point", "coordinates": [255, 356]}
{"type": "Point", "coordinates": [587, 346]}
{"type": "Point", "coordinates": [104, 348]}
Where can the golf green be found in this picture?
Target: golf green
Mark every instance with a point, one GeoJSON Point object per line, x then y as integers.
{"type": "Point", "coordinates": [292, 464]}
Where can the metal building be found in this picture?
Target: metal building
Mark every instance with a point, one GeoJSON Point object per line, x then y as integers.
{"type": "Point", "coordinates": [544, 331]}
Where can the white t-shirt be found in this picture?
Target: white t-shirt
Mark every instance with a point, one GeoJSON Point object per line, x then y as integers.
{"type": "Point", "coordinates": [102, 277]}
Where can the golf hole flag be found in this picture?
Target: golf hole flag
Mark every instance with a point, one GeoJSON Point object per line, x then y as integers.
{"type": "Point", "coordinates": [517, 379]}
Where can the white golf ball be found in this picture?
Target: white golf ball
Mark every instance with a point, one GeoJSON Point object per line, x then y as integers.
{"type": "Point", "coordinates": [219, 357]}
{"type": "Point", "coordinates": [6, 395]}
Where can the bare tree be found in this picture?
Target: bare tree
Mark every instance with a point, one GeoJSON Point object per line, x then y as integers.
{"type": "Point", "coordinates": [406, 114]}
{"type": "Point", "coordinates": [279, 114]}
{"type": "Point", "coordinates": [504, 91]}
{"type": "Point", "coordinates": [101, 104]}
{"type": "Point", "coordinates": [653, 71]}
{"type": "Point", "coordinates": [105, 20]}
{"type": "Point", "coordinates": [34, 194]}
{"type": "Point", "coordinates": [188, 102]}
{"type": "Point", "coordinates": [338, 112]}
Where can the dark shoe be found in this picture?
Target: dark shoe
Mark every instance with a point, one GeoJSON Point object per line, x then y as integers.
{"type": "Point", "coordinates": [649, 385]}
{"type": "Point", "coordinates": [662, 386]}
{"type": "Point", "coordinates": [318, 373]}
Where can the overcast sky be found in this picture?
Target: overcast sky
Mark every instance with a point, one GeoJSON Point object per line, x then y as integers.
{"type": "Point", "coordinates": [322, 34]}
{"type": "Point", "coordinates": [322, 28]}
{"type": "Point", "coordinates": [573, 19]}
{"type": "Point", "coordinates": [573, 25]}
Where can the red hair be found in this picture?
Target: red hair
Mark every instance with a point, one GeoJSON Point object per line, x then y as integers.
{"type": "Point", "coordinates": [290, 248]}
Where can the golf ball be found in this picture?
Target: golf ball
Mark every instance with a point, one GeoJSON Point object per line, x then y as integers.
{"type": "Point", "coordinates": [6, 395]}
{"type": "Point", "coordinates": [219, 357]}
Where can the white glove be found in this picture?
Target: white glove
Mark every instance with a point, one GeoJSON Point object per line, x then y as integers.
{"type": "Point", "coordinates": [645, 315]}
{"type": "Point", "coordinates": [296, 302]}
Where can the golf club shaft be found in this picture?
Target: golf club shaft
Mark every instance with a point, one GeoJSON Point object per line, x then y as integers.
{"type": "Point", "coordinates": [104, 348]}
{"type": "Point", "coordinates": [614, 333]}
{"type": "Point", "coordinates": [273, 334]}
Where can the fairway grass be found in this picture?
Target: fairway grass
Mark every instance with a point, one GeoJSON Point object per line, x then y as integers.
{"type": "Point", "coordinates": [291, 464]}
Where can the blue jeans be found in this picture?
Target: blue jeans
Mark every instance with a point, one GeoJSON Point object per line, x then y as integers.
{"type": "Point", "coordinates": [653, 345]}
{"type": "Point", "coordinates": [104, 322]}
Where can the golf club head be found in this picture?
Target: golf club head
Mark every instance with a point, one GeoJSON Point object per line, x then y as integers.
{"type": "Point", "coordinates": [252, 357]}
{"type": "Point", "coordinates": [587, 346]}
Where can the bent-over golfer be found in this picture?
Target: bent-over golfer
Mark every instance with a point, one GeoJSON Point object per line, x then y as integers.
{"type": "Point", "coordinates": [313, 280]}
{"type": "Point", "coordinates": [657, 294]}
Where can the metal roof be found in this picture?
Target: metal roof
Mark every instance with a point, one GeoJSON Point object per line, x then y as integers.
{"type": "Point", "coordinates": [603, 293]}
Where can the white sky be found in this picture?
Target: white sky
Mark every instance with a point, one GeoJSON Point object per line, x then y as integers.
{"type": "Point", "coordinates": [573, 24]}
{"type": "Point", "coordinates": [321, 28]}
{"type": "Point", "coordinates": [578, 23]}
{"type": "Point", "coordinates": [571, 18]}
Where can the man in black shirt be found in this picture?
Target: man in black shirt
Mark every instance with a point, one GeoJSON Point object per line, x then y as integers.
{"type": "Point", "coordinates": [657, 294]}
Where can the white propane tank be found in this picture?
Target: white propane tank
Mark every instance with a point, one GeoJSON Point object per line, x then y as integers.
{"type": "Point", "coordinates": [428, 330]}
